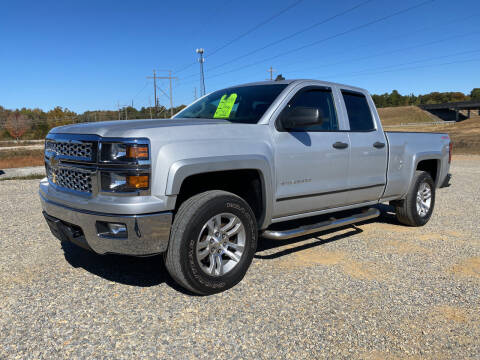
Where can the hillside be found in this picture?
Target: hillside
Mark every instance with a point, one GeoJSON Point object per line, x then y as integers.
{"type": "Point", "coordinates": [404, 115]}
{"type": "Point", "coordinates": [465, 134]}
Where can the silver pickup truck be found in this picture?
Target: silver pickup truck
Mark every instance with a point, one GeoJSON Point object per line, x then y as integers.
{"type": "Point", "coordinates": [239, 163]}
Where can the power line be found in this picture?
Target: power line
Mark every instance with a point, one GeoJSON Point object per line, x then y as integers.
{"type": "Point", "coordinates": [355, 28]}
{"type": "Point", "coordinates": [362, 46]}
{"type": "Point", "coordinates": [367, 71]}
{"type": "Point", "coordinates": [420, 67]}
{"type": "Point", "coordinates": [163, 92]}
{"type": "Point", "coordinates": [257, 27]}
{"type": "Point", "coordinates": [310, 27]}
{"type": "Point", "coordinates": [394, 51]}
{"type": "Point", "coordinates": [170, 78]}
{"type": "Point", "coordinates": [143, 88]}
{"type": "Point", "coordinates": [201, 31]}
{"type": "Point", "coordinates": [316, 42]}
{"type": "Point", "coordinates": [249, 31]}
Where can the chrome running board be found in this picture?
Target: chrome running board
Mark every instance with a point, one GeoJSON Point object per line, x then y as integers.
{"type": "Point", "coordinates": [324, 225]}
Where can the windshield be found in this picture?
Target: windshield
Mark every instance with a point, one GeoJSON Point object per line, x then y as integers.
{"type": "Point", "coordinates": [244, 104]}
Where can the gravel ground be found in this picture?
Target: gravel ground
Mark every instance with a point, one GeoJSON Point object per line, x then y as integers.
{"type": "Point", "coordinates": [25, 171]}
{"type": "Point", "coordinates": [375, 291]}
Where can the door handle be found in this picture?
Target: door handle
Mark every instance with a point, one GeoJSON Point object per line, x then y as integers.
{"type": "Point", "coordinates": [379, 145]}
{"type": "Point", "coordinates": [340, 145]}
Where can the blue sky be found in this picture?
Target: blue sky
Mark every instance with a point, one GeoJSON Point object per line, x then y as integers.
{"type": "Point", "coordinates": [93, 54]}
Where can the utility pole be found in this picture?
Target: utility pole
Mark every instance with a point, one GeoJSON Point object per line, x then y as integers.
{"type": "Point", "coordinates": [201, 60]}
{"type": "Point", "coordinates": [171, 95]}
{"type": "Point", "coordinates": [170, 78]}
{"type": "Point", "coordinates": [125, 108]}
{"type": "Point", "coordinates": [154, 89]}
{"type": "Point", "coordinates": [271, 71]}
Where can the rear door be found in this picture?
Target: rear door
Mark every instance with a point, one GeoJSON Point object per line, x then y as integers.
{"type": "Point", "coordinates": [311, 163]}
{"type": "Point", "coordinates": [368, 153]}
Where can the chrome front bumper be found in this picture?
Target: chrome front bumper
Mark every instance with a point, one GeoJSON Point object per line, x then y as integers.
{"type": "Point", "coordinates": [147, 234]}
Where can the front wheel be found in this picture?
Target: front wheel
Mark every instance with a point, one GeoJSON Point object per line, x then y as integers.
{"type": "Point", "coordinates": [212, 242]}
{"type": "Point", "coordinates": [417, 208]}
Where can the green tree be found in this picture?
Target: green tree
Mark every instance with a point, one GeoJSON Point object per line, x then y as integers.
{"type": "Point", "coordinates": [475, 94]}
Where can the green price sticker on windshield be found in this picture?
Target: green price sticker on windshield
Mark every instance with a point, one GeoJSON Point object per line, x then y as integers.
{"type": "Point", "coordinates": [225, 107]}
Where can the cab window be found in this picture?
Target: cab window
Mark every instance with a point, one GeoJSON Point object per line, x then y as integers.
{"type": "Point", "coordinates": [321, 99]}
{"type": "Point", "coordinates": [359, 114]}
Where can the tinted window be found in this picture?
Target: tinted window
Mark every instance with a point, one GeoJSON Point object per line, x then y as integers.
{"type": "Point", "coordinates": [321, 100]}
{"type": "Point", "coordinates": [359, 114]}
{"type": "Point", "coordinates": [243, 104]}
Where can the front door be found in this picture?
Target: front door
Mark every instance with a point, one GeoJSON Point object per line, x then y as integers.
{"type": "Point", "coordinates": [311, 163]}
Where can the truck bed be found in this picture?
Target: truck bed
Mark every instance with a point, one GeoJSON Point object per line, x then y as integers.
{"type": "Point", "coordinates": [409, 148]}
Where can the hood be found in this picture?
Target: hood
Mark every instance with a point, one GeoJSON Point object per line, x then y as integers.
{"type": "Point", "coordinates": [131, 128]}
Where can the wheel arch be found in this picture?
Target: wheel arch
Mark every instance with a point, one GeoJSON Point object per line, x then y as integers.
{"type": "Point", "coordinates": [423, 159]}
{"type": "Point", "coordinates": [181, 171]}
{"type": "Point", "coordinates": [428, 161]}
{"type": "Point", "coordinates": [431, 166]}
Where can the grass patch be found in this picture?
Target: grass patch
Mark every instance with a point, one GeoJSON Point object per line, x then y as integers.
{"type": "Point", "coordinates": [404, 115]}
{"type": "Point", "coordinates": [27, 177]}
{"type": "Point", "coordinates": [21, 158]}
{"type": "Point", "coordinates": [6, 154]}
{"type": "Point", "coordinates": [465, 135]}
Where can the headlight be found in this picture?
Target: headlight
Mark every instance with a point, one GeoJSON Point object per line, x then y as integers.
{"type": "Point", "coordinates": [124, 152]}
{"type": "Point", "coordinates": [125, 166]}
{"type": "Point", "coordinates": [124, 182]}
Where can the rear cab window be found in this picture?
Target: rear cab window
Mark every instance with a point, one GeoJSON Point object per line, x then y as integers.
{"type": "Point", "coordinates": [359, 112]}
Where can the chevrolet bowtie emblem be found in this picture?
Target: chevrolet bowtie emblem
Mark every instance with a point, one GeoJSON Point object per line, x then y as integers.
{"type": "Point", "coordinates": [53, 159]}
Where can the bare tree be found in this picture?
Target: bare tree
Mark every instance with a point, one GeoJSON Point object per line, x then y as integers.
{"type": "Point", "coordinates": [17, 124]}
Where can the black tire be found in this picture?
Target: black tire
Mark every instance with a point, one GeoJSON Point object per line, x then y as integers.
{"type": "Point", "coordinates": [181, 260]}
{"type": "Point", "coordinates": [406, 209]}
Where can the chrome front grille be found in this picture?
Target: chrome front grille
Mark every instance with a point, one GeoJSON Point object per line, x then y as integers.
{"type": "Point", "coordinates": [71, 162]}
{"type": "Point", "coordinates": [74, 163]}
{"type": "Point", "coordinates": [72, 150]}
{"type": "Point", "coordinates": [71, 179]}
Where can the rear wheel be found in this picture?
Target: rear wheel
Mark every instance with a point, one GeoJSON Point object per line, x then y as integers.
{"type": "Point", "coordinates": [212, 242]}
{"type": "Point", "coordinates": [417, 208]}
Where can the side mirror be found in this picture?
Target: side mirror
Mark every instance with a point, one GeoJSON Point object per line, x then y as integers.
{"type": "Point", "coordinates": [300, 117]}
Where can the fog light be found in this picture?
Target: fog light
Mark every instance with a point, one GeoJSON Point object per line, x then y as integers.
{"type": "Point", "coordinates": [117, 229]}
{"type": "Point", "coordinates": [111, 230]}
